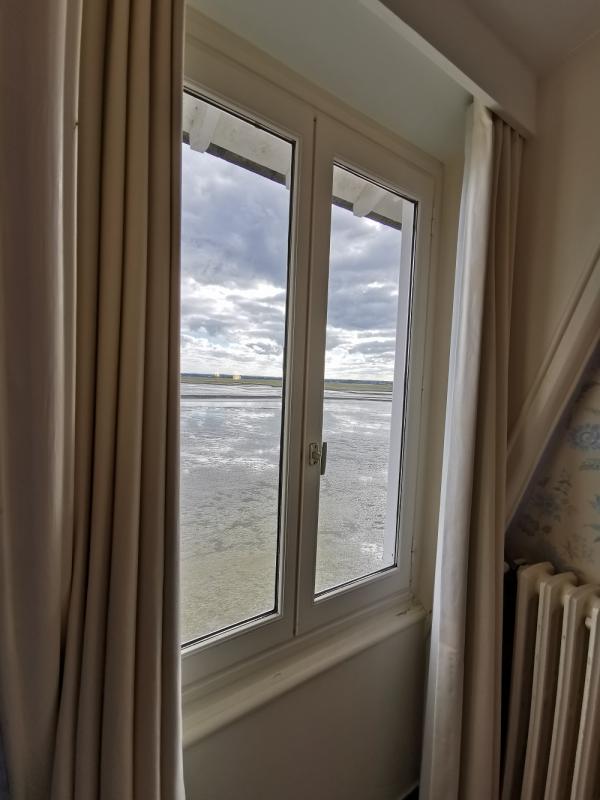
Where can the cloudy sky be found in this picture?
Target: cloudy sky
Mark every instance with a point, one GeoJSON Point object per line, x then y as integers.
{"type": "Point", "coordinates": [234, 263]}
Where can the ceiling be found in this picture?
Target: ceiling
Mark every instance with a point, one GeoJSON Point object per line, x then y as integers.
{"type": "Point", "coordinates": [344, 48]}
{"type": "Point", "coordinates": [542, 32]}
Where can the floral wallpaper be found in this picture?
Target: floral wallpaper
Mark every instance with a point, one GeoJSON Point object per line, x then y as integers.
{"type": "Point", "coordinates": [560, 519]}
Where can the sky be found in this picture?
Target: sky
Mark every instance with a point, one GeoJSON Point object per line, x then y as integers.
{"type": "Point", "coordinates": [234, 275]}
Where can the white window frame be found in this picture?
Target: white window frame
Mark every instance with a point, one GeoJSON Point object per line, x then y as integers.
{"type": "Point", "coordinates": [339, 144]}
{"type": "Point", "coordinates": [228, 85]}
{"type": "Point", "coordinates": [284, 105]}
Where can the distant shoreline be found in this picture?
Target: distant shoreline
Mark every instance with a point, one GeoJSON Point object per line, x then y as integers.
{"type": "Point", "coordinates": [251, 380]}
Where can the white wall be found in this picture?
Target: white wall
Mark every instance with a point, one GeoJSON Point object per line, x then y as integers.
{"type": "Point", "coordinates": [559, 217]}
{"type": "Point", "coordinates": [352, 733]}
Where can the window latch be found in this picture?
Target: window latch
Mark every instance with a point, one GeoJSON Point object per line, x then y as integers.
{"type": "Point", "coordinates": [317, 454]}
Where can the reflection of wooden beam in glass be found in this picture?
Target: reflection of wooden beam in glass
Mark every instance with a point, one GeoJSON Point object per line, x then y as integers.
{"type": "Point", "coordinates": [368, 199]}
{"type": "Point", "coordinates": [207, 129]}
{"type": "Point", "coordinates": [203, 126]}
{"type": "Point", "coordinates": [245, 163]}
{"type": "Point", "coordinates": [362, 196]}
{"type": "Point", "coordinates": [372, 215]}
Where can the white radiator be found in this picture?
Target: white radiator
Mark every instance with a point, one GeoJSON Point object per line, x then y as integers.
{"type": "Point", "coordinates": [553, 736]}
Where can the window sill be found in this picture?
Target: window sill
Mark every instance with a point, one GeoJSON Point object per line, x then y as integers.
{"type": "Point", "coordinates": [216, 702]}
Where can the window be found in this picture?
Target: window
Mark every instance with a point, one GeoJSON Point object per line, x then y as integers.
{"type": "Point", "coordinates": [305, 252]}
{"type": "Point", "coordinates": [236, 201]}
{"type": "Point", "coordinates": [363, 392]}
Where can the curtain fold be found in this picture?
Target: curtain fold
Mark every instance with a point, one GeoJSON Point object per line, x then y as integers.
{"type": "Point", "coordinates": [107, 549]}
{"type": "Point", "coordinates": [461, 750]}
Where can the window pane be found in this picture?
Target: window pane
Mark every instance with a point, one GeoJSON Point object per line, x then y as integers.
{"type": "Point", "coordinates": [367, 324]}
{"type": "Point", "coordinates": [235, 225]}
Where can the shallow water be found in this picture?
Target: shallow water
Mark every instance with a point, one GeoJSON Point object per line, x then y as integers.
{"type": "Point", "coordinates": [229, 498]}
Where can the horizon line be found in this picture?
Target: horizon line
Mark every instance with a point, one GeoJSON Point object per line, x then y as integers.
{"type": "Point", "coordinates": [277, 377]}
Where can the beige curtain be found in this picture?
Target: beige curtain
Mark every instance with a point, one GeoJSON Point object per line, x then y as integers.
{"type": "Point", "coordinates": [90, 688]}
{"type": "Point", "coordinates": [461, 751]}
{"type": "Point", "coordinates": [34, 407]}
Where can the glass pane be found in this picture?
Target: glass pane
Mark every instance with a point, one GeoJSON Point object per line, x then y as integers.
{"type": "Point", "coordinates": [235, 226]}
{"type": "Point", "coordinates": [367, 326]}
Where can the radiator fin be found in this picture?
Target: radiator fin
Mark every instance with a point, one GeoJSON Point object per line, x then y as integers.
{"type": "Point", "coordinates": [585, 775]}
{"type": "Point", "coordinates": [528, 590]}
{"type": "Point", "coordinates": [569, 693]}
{"type": "Point", "coordinates": [545, 681]}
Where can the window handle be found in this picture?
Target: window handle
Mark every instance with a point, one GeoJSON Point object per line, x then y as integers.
{"type": "Point", "coordinates": [317, 454]}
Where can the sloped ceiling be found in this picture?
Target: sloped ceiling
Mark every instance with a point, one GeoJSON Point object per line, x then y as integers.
{"type": "Point", "coordinates": [542, 32]}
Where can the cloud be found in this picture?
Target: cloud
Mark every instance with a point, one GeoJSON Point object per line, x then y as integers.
{"type": "Point", "coordinates": [234, 275]}
{"type": "Point", "coordinates": [234, 223]}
